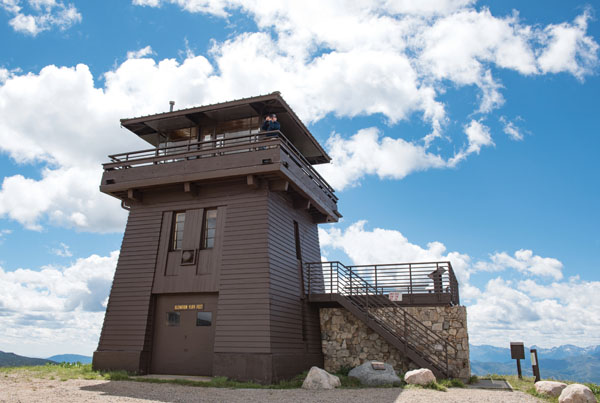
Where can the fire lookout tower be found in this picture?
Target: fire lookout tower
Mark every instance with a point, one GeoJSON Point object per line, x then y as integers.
{"type": "Point", "coordinates": [220, 272]}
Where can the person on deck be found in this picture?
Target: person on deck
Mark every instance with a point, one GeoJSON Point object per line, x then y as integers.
{"type": "Point", "coordinates": [266, 123]}
{"type": "Point", "coordinates": [273, 125]}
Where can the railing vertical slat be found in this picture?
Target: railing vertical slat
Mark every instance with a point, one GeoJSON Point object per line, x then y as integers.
{"type": "Point", "coordinates": [350, 281]}
{"type": "Point", "coordinates": [331, 278]}
{"type": "Point", "coordinates": [411, 284]}
{"type": "Point", "coordinates": [446, 347]}
{"type": "Point", "coordinates": [376, 278]}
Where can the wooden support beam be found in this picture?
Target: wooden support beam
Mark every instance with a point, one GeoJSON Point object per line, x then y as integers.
{"type": "Point", "coordinates": [134, 194]}
{"type": "Point", "coordinates": [301, 203]}
{"type": "Point", "coordinates": [189, 187]}
{"type": "Point", "coordinates": [253, 181]}
{"type": "Point", "coordinates": [279, 186]}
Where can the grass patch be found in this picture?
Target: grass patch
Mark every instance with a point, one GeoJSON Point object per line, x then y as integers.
{"type": "Point", "coordinates": [451, 383]}
{"type": "Point", "coordinates": [527, 385]}
{"type": "Point", "coordinates": [344, 370]}
{"type": "Point", "coordinates": [63, 371]}
{"type": "Point", "coordinates": [435, 386]}
{"type": "Point", "coordinates": [66, 371]}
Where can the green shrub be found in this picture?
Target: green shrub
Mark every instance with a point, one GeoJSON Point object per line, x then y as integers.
{"type": "Point", "coordinates": [116, 376]}
{"type": "Point", "coordinates": [452, 383]}
{"type": "Point", "coordinates": [344, 370]}
{"type": "Point", "coordinates": [435, 386]}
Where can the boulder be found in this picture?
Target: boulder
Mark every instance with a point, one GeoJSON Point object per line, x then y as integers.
{"type": "Point", "coordinates": [549, 388]}
{"type": "Point", "coordinates": [576, 393]}
{"type": "Point", "coordinates": [421, 376]}
{"type": "Point", "coordinates": [368, 375]}
{"type": "Point", "coordinates": [318, 378]}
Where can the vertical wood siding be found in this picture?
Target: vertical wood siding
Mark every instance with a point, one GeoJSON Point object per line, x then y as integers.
{"type": "Point", "coordinates": [288, 309]}
{"type": "Point", "coordinates": [126, 322]}
{"type": "Point", "coordinates": [243, 325]}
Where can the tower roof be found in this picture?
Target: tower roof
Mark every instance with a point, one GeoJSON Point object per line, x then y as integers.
{"type": "Point", "coordinates": [151, 128]}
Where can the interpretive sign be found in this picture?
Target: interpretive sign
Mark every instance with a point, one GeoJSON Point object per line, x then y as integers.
{"type": "Point", "coordinates": [395, 296]}
{"type": "Point", "coordinates": [517, 352]}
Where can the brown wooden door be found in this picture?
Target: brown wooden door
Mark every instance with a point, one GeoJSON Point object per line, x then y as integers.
{"type": "Point", "coordinates": [184, 334]}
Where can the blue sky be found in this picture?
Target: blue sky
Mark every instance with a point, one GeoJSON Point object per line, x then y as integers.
{"type": "Point", "coordinates": [483, 117]}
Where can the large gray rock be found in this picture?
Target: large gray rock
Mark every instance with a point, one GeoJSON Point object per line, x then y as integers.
{"type": "Point", "coordinates": [576, 393]}
{"type": "Point", "coordinates": [421, 376]}
{"type": "Point", "coordinates": [367, 375]}
{"type": "Point", "coordinates": [550, 388]}
{"type": "Point", "coordinates": [318, 378]}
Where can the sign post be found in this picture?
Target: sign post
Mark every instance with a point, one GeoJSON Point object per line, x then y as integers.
{"type": "Point", "coordinates": [517, 352]}
{"type": "Point", "coordinates": [535, 366]}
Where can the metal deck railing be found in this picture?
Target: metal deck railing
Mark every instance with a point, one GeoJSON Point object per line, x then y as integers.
{"type": "Point", "coordinates": [217, 148]}
{"type": "Point", "coordinates": [431, 279]}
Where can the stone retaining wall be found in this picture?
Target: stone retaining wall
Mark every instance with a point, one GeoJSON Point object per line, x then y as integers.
{"type": "Point", "coordinates": [348, 342]}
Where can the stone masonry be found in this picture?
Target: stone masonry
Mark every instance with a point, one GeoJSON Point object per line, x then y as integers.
{"type": "Point", "coordinates": [348, 342]}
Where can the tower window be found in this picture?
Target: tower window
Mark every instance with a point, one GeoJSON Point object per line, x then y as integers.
{"type": "Point", "coordinates": [203, 318]}
{"type": "Point", "coordinates": [210, 228]}
{"type": "Point", "coordinates": [178, 230]}
{"type": "Point", "coordinates": [173, 318]}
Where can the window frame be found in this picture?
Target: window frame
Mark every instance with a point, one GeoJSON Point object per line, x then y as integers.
{"type": "Point", "coordinates": [175, 230]}
{"type": "Point", "coordinates": [210, 320]}
{"type": "Point", "coordinates": [173, 323]}
{"type": "Point", "coordinates": [204, 238]}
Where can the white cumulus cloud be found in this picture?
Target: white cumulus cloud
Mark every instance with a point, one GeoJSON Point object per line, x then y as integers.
{"type": "Point", "coordinates": [55, 309]}
{"type": "Point", "coordinates": [524, 261]}
{"type": "Point", "coordinates": [528, 308]}
{"type": "Point", "coordinates": [138, 54]}
{"type": "Point", "coordinates": [390, 58]}
{"type": "Point", "coordinates": [34, 16]}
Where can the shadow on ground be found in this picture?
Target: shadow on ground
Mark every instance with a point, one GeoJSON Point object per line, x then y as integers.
{"type": "Point", "coordinates": [164, 392]}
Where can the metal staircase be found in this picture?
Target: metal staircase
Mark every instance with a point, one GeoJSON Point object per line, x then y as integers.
{"type": "Point", "coordinates": [335, 283]}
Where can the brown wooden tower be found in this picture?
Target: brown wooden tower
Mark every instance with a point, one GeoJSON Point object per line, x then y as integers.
{"type": "Point", "coordinates": [221, 216]}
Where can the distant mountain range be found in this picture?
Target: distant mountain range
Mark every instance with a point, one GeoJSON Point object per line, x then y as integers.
{"type": "Point", "coordinates": [14, 360]}
{"type": "Point", "coordinates": [567, 362]}
{"type": "Point", "coordinates": [84, 359]}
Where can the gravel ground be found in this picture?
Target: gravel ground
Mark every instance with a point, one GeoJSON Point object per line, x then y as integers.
{"type": "Point", "coordinates": [13, 389]}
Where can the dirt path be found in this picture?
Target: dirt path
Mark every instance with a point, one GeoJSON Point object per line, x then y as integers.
{"type": "Point", "coordinates": [13, 389]}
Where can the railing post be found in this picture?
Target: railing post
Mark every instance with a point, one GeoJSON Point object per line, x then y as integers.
{"type": "Point", "coordinates": [410, 289]}
{"type": "Point", "coordinates": [446, 347]}
{"type": "Point", "coordinates": [376, 279]}
{"type": "Point", "coordinates": [331, 278]}
{"type": "Point", "coordinates": [367, 292]}
{"type": "Point", "coordinates": [405, 331]}
{"type": "Point", "coordinates": [350, 270]}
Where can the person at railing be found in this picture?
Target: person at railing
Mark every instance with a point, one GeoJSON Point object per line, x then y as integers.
{"type": "Point", "coordinates": [274, 124]}
{"type": "Point", "coordinates": [270, 124]}
{"type": "Point", "coordinates": [266, 124]}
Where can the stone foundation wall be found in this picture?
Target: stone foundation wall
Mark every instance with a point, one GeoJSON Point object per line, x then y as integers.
{"type": "Point", "coordinates": [348, 342]}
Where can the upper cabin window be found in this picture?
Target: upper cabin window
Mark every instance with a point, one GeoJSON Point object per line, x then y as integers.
{"type": "Point", "coordinates": [210, 228]}
{"type": "Point", "coordinates": [231, 129]}
{"type": "Point", "coordinates": [178, 224]}
{"type": "Point", "coordinates": [186, 133]}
